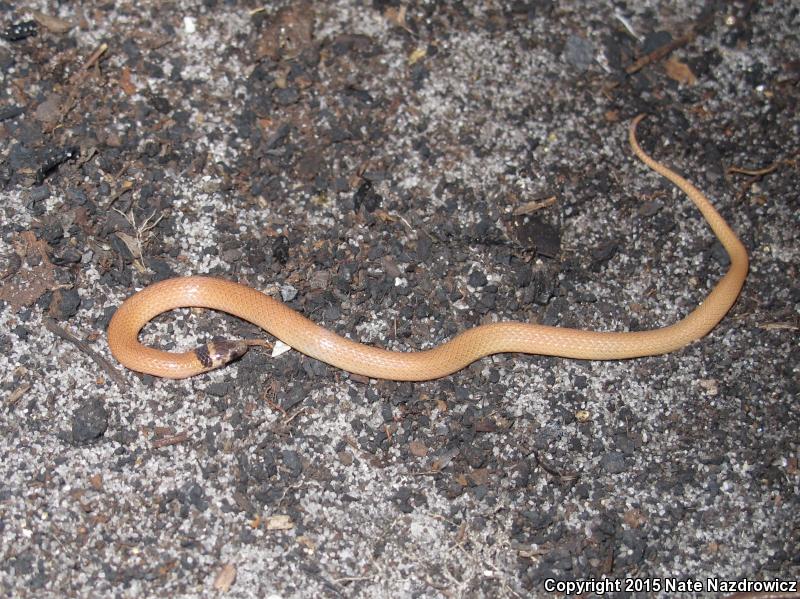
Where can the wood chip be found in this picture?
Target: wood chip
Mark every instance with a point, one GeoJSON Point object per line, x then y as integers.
{"type": "Point", "coordinates": [710, 385]}
{"type": "Point", "coordinates": [279, 522]}
{"type": "Point", "coordinates": [307, 542]}
{"type": "Point", "coordinates": [280, 348]}
{"type": "Point", "coordinates": [225, 578]}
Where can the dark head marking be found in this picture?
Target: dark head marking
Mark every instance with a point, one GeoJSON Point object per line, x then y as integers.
{"type": "Point", "coordinates": [202, 353]}
{"type": "Point", "coordinates": [219, 353]}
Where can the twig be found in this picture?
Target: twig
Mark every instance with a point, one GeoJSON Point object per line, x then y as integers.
{"type": "Point", "coordinates": [425, 473]}
{"type": "Point", "coordinates": [175, 439]}
{"type": "Point", "coordinates": [17, 394]}
{"type": "Point", "coordinates": [142, 232]}
{"type": "Point", "coordinates": [14, 264]}
{"type": "Point", "coordinates": [295, 415]}
{"type": "Point", "coordinates": [58, 331]}
{"type": "Point", "coordinates": [274, 405]}
{"type": "Point", "coordinates": [534, 206]}
{"type": "Point", "coordinates": [352, 579]}
{"type": "Point", "coordinates": [552, 471]}
{"type": "Point", "coordinates": [666, 49]}
{"type": "Point", "coordinates": [95, 56]}
{"type": "Point", "coordinates": [660, 52]}
{"type": "Point", "coordinates": [77, 80]}
{"type": "Point", "coordinates": [125, 187]}
{"type": "Point", "coordinates": [753, 173]}
{"type": "Point", "coordinates": [779, 326]}
{"type": "Point", "coordinates": [259, 343]}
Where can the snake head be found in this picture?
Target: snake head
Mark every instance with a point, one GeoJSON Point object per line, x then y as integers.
{"type": "Point", "coordinates": [219, 353]}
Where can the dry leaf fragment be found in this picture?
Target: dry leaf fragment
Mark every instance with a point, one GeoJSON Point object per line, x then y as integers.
{"type": "Point", "coordinates": [126, 83]}
{"type": "Point", "coordinates": [479, 476]}
{"type": "Point", "coordinates": [443, 460]}
{"type": "Point", "coordinates": [385, 216]}
{"type": "Point", "coordinates": [679, 71]}
{"type": "Point", "coordinates": [28, 285]}
{"type": "Point", "coordinates": [96, 480]}
{"type": "Point", "coordinates": [417, 55]}
{"type": "Point", "coordinates": [418, 449]}
{"type": "Point", "coordinates": [288, 33]}
{"type": "Point", "coordinates": [52, 23]}
{"type": "Point", "coordinates": [634, 518]}
{"type": "Point", "coordinates": [397, 16]}
{"type": "Point", "coordinates": [131, 243]}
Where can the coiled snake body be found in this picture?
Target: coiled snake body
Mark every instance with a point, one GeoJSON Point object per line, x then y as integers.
{"type": "Point", "coordinates": [309, 338]}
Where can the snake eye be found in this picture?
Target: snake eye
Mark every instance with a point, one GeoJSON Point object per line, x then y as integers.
{"type": "Point", "coordinates": [219, 353]}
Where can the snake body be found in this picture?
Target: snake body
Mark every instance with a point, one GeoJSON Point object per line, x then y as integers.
{"type": "Point", "coordinates": [313, 340]}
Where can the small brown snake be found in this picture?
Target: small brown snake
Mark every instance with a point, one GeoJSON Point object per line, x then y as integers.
{"type": "Point", "coordinates": [311, 339]}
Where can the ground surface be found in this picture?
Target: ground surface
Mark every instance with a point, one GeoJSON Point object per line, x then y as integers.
{"type": "Point", "coordinates": [365, 162]}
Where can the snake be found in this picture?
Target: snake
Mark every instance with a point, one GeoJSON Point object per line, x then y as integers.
{"type": "Point", "coordinates": [315, 341]}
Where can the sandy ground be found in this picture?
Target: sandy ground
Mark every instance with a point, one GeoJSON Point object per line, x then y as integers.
{"type": "Point", "coordinates": [397, 173]}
